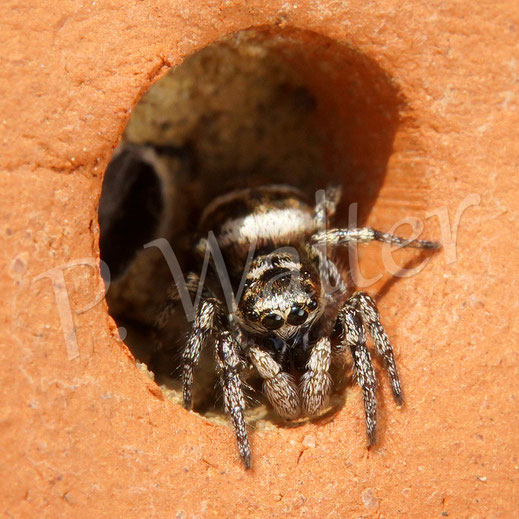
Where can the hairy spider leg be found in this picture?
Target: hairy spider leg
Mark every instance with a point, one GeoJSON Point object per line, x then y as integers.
{"type": "Point", "coordinates": [316, 382]}
{"type": "Point", "coordinates": [326, 206]}
{"type": "Point", "coordinates": [280, 387]}
{"type": "Point", "coordinates": [203, 326]}
{"type": "Point", "coordinates": [328, 271]}
{"type": "Point", "coordinates": [228, 362]}
{"type": "Point", "coordinates": [353, 336]}
{"type": "Point", "coordinates": [366, 235]}
{"type": "Point", "coordinates": [367, 308]}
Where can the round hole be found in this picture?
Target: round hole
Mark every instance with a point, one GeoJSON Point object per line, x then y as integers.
{"type": "Point", "coordinates": [262, 106]}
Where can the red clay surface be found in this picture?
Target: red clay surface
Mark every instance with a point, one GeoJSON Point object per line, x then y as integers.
{"type": "Point", "coordinates": [92, 437]}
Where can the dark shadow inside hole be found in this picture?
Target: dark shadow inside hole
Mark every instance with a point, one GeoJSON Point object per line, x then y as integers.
{"type": "Point", "coordinates": [130, 209]}
{"type": "Point", "coordinates": [263, 106]}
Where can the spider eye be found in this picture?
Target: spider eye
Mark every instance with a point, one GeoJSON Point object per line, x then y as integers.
{"type": "Point", "coordinates": [272, 321]}
{"type": "Point", "coordinates": [253, 316]}
{"type": "Point", "coordinates": [312, 305]}
{"type": "Point", "coordinates": [297, 315]}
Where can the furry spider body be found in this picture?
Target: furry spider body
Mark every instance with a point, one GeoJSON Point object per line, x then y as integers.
{"type": "Point", "coordinates": [293, 313]}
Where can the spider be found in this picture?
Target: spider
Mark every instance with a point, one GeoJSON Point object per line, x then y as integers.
{"type": "Point", "coordinates": [294, 314]}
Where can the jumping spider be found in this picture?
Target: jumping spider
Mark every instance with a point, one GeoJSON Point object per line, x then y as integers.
{"type": "Point", "coordinates": [287, 325]}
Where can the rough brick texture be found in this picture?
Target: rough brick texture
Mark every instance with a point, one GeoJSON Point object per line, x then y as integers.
{"type": "Point", "coordinates": [92, 437]}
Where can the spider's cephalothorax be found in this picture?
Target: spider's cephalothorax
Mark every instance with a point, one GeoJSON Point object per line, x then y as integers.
{"type": "Point", "coordinates": [268, 245]}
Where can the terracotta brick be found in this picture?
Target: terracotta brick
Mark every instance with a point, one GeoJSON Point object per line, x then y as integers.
{"type": "Point", "coordinates": [91, 436]}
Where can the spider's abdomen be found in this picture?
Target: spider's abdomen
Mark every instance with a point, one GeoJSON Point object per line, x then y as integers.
{"type": "Point", "coordinates": [271, 216]}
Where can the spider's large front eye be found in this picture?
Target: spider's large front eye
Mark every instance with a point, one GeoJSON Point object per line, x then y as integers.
{"type": "Point", "coordinates": [297, 315]}
{"type": "Point", "coordinates": [272, 321]}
